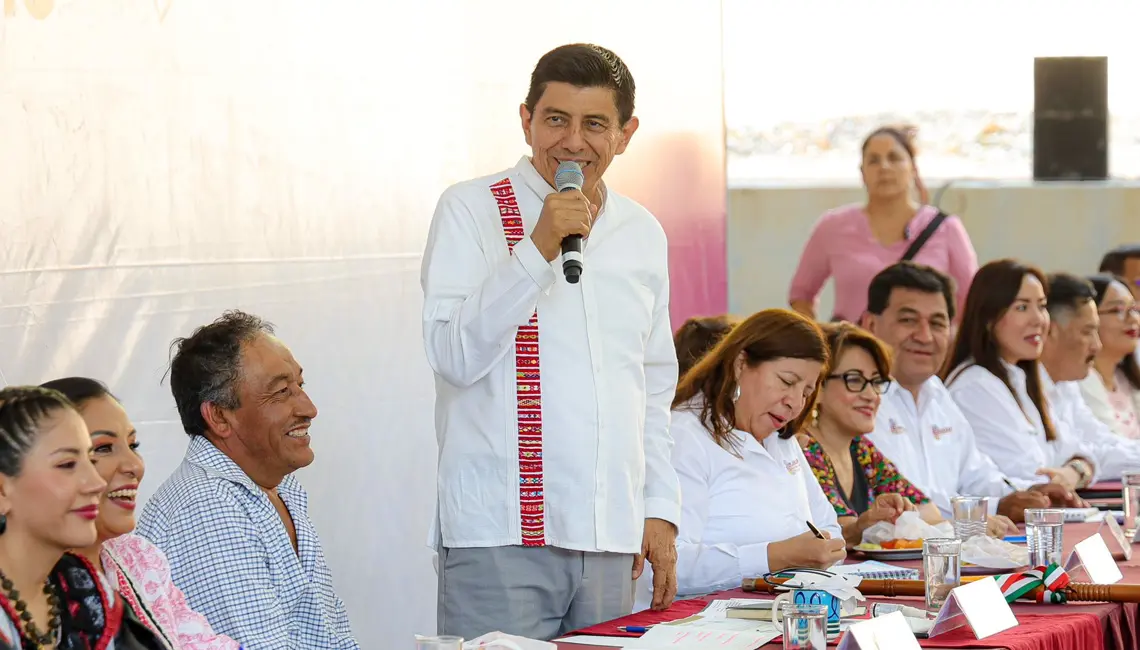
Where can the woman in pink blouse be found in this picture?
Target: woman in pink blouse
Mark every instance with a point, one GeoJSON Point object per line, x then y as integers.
{"type": "Point", "coordinates": [135, 566]}
{"type": "Point", "coordinates": [852, 243]}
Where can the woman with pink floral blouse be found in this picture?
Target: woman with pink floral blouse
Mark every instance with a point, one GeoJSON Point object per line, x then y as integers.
{"type": "Point", "coordinates": [136, 567]}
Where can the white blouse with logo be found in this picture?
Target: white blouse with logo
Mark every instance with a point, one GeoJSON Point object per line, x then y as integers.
{"type": "Point", "coordinates": [733, 504]}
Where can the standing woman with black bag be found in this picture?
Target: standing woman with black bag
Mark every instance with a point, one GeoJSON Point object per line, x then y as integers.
{"type": "Point", "coordinates": [850, 244]}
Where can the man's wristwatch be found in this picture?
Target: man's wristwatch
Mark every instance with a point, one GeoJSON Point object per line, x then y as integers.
{"type": "Point", "coordinates": [1083, 469]}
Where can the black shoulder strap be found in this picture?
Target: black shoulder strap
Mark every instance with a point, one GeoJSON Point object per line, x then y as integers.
{"type": "Point", "coordinates": [918, 243]}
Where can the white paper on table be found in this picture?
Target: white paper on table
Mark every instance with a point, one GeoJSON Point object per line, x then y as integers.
{"type": "Point", "coordinates": [604, 641]}
{"type": "Point", "coordinates": [686, 637]}
{"type": "Point", "coordinates": [719, 608]}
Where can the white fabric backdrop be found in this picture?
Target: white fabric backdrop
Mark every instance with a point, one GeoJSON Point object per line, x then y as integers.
{"type": "Point", "coordinates": [164, 160]}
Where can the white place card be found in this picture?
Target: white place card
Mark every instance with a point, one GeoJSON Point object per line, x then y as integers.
{"type": "Point", "coordinates": [978, 604]}
{"type": "Point", "coordinates": [1093, 555]}
{"type": "Point", "coordinates": [1118, 536]}
{"type": "Point", "coordinates": [887, 632]}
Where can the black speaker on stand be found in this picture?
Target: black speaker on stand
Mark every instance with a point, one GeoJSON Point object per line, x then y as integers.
{"type": "Point", "coordinates": [1070, 118]}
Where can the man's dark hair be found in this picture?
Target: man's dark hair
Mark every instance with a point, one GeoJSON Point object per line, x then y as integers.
{"type": "Point", "coordinates": [1067, 294]}
{"type": "Point", "coordinates": [585, 66]}
{"type": "Point", "coordinates": [206, 366]}
{"type": "Point", "coordinates": [908, 275]}
{"type": "Point", "coordinates": [1113, 261]}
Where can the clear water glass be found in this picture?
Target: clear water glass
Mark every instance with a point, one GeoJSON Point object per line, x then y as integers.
{"type": "Point", "coordinates": [1131, 497]}
{"type": "Point", "coordinates": [1043, 536]}
{"type": "Point", "coordinates": [805, 626]}
{"type": "Point", "coordinates": [970, 515]}
{"type": "Point", "coordinates": [439, 643]}
{"type": "Point", "coordinates": [941, 569]}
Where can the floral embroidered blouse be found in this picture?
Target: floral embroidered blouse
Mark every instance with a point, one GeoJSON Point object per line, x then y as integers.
{"type": "Point", "coordinates": [141, 574]}
{"type": "Point", "coordinates": [881, 474]}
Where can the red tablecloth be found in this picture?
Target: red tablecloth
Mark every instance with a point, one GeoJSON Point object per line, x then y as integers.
{"type": "Point", "coordinates": [1074, 626]}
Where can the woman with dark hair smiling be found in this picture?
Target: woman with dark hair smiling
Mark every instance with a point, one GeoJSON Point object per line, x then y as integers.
{"type": "Point", "coordinates": [852, 243]}
{"type": "Point", "coordinates": [747, 491]}
{"type": "Point", "coordinates": [49, 503]}
{"type": "Point", "coordinates": [994, 377]}
{"type": "Point", "coordinates": [136, 568]}
{"type": "Point", "coordinates": [863, 486]}
{"type": "Point", "coordinates": [1112, 389]}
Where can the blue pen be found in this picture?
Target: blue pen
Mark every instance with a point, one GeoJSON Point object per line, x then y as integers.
{"type": "Point", "coordinates": [1015, 539]}
{"type": "Point", "coordinates": [634, 629]}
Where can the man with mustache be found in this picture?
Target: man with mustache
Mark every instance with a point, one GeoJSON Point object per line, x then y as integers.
{"type": "Point", "coordinates": [232, 519]}
{"type": "Point", "coordinates": [553, 396]}
{"type": "Point", "coordinates": [1069, 351]}
{"type": "Point", "coordinates": [919, 427]}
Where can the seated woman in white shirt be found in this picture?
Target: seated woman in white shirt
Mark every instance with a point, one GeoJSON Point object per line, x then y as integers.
{"type": "Point", "coordinates": [747, 492]}
{"type": "Point", "coordinates": [1112, 390]}
{"type": "Point", "coordinates": [993, 377]}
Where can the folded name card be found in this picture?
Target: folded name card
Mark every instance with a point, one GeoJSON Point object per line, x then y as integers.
{"type": "Point", "coordinates": [979, 605]}
{"type": "Point", "coordinates": [1093, 555]}
{"type": "Point", "coordinates": [887, 632]}
{"type": "Point", "coordinates": [1118, 536]}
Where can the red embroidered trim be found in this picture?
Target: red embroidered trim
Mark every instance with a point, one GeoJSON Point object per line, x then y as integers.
{"type": "Point", "coordinates": [528, 389]}
{"type": "Point", "coordinates": [112, 608]}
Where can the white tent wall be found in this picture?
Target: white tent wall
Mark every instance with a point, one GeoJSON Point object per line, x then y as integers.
{"type": "Point", "coordinates": [164, 160]}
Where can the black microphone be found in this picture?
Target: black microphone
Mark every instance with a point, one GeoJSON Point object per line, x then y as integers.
{"type": "Point", "coordinates": [569, 177]}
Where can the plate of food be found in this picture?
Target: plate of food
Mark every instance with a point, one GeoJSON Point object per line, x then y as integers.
{"type": "Point", "coordinates": [892, 549]}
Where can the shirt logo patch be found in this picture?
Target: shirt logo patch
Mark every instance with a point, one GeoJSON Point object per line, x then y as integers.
{"type": "Point", "coordinates": [793, 466]}
{"type": "Point", "coordinates": [895, 427]}
{"type": "Point", "coordinates": [941, 431]}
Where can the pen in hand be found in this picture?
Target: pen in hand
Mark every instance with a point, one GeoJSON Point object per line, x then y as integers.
{"type": "Point", "coordinates": [814, 530]}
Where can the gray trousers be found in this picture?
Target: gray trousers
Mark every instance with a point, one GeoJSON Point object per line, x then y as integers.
{"type": "Point", "coordinates": [538, 592]}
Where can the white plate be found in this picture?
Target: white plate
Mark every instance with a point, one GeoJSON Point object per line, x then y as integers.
{"type": "Point", "coordinates": [975, 570]}
{"type": "Point", "coordinates": [889, 554]}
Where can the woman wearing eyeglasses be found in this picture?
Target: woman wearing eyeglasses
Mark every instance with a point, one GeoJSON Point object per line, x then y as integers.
{"type": "Point", "coordinates": [862, 485]}
{"type": "Point", "coordinates": [1112, 390]}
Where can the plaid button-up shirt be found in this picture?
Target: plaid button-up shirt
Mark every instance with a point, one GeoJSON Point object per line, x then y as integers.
{"type": "Point", "coordinates": [231, 555]}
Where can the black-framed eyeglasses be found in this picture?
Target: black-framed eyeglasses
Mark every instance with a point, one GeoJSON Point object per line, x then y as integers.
{"type": "Point", "coordinates": [855, 382]}
{"type": "Point", "coordinates": [1121, 312]}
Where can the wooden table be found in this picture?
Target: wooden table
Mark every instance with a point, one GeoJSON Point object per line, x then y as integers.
{"type": "Point", "coordinates": [1119, 621]}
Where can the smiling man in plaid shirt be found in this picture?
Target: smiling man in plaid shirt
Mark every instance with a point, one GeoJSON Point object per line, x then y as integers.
{"type": "Point", "coordinates": [232, 519]}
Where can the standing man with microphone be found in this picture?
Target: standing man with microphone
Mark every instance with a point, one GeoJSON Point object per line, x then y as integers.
{"type": "Point", "coordinates": [553, 385]}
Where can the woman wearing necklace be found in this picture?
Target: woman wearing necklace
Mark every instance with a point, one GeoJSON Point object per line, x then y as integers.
{"type": "Point", "coordinates": [863, 486]}
{"type": "Point", "coordinates": [49, 498]}
{"type": "Point", "coordinates": [137, 569]}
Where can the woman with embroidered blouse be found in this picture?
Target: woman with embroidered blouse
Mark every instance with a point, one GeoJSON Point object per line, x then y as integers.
{"type": "Point", "coordinates": [137, 569]}
{"type": "Point", "coordinates": [49, 501]}
{"type": "Point", "coordinates": [862, 485]}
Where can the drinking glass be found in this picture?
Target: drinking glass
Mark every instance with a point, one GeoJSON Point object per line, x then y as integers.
{"type": "Point", "coordinates": [439, 643]}
{"type": "Point", "coordinates": [1043, 535]}
{"type": "Point", "coordinates": [970, 516]}
{"type": "Point", "coordinates": [805, 626]}
{"type": "Point", "coordinates": [1131, 495]}
{"type": "Point", "coordinates": [941, 569]}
